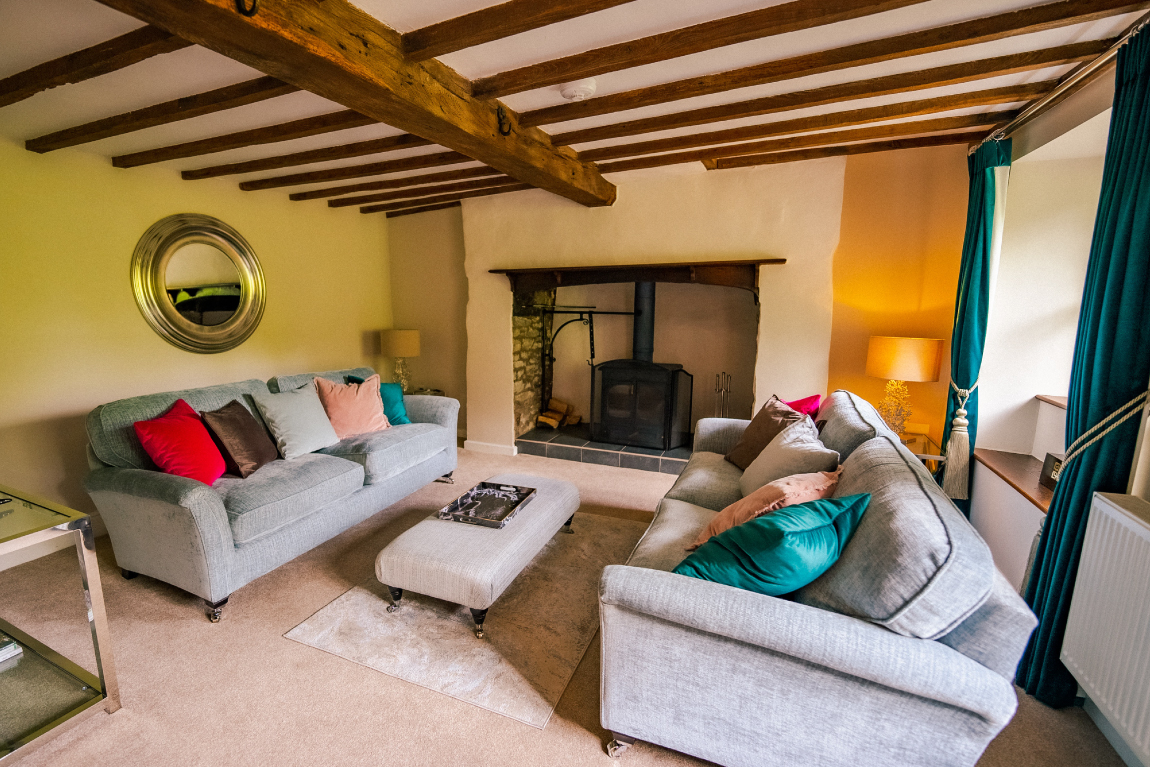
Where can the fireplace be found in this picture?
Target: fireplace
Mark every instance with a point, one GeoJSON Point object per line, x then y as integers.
{"type": "Point", "coordinates": [639, 402]}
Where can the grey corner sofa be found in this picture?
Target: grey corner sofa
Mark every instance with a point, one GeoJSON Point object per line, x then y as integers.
{"type": "Point", "coordinates": [211, 540]}
{"type": "Point", "coordinates": [903, 653]}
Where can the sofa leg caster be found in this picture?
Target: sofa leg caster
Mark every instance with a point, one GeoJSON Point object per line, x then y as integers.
{"type": "Point", "coordinates": [567, 525]}
{"type": "Point", "coordinates": [396, 595]}
{"type": "Point", "coordinates": [447, 479]}
{"type": "Point", "coordinates": [619, 745]}
{"type": "Point", "coordinates": [478, 616]}
{"type": "Point", "coordinates": [215, 610]}
{"type": "Point", "coordinates": [127, 574]}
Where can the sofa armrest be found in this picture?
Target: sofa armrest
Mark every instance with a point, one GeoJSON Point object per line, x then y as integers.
{"type": "Point", "coordinates": [829, 640]}
{"type": "Point", "coordinates": [171, 528]}
{"type": "Point", "coordinates": [718, 435]}
{"type": "Point", "coordinates": [424, 408]}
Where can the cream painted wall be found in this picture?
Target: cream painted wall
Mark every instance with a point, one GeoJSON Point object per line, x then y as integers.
{"type": "Point", "coordinates": [1050, 210]}
{"type": "Point", "coordinates": [429, 294]}
{"type": "Point", "coordinates": [72, 337]}
{"type": "Point", "coordinates": [791, 211]}
{"type": "Point", "coordinates": [896, 267]}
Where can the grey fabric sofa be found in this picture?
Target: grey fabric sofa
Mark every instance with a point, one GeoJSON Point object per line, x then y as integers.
{"type": "Point", "coordinates": [903, 653]}
{"type": "Point", "coordinates": [210, 541]}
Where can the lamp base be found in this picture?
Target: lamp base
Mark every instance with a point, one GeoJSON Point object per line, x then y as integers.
{"type": "Point", "coordinates": [401, 375]}
{"type": "Point", "coordinates": [895, 406]}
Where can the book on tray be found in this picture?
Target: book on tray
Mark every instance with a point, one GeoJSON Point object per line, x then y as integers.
{"type": "Point", "coordinates": [488, 504]}
{"type": "Point", "coordinates": [9, 650]}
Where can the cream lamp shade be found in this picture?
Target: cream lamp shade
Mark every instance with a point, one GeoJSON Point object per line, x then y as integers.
{"type": "Point", "coordinates": [399, 343]}
{"type": "Point", "coordinates": [904, 359]}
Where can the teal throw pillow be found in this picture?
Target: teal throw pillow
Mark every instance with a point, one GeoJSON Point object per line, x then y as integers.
{"type": "Point", "coordinates": [782, 551]}
{"type": "Point", "coordinates": [393, 407]}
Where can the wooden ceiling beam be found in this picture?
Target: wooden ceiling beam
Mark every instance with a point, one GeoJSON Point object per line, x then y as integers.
{"type": "Point", "coordinates": [433, 160]}
{"type": "Point", "coordinates": [754, 25]}
{"type": "Point", "coordinates": [109, 56]}
{"type": "Point", "coordinates": [423, 209]}
{"type": "Point", "coordinates": [1007, 95]}
{"type": "Point", "coordinates": [229, 97]}
{"type": "Point", "coordinates": [879, 86]}
{"type": "Point", "coordinates": [341, 53]}
{"type": "Point", "coordinates": [394, 183]}
{"type": "Point", "coordinates": [494, 23]}
{"type": "Point", "coordinates": [323, 154]}
{"type": "Point", "coordinates": [422, 191]}
{"type": "Point", "coordinates": [987, 29]}
{"type": "Point", "coordinates": [442, 198]}
{"type": "Point", "coordinates": [947, 139]}
{"type": "Point", "coordinates": [308, 126]}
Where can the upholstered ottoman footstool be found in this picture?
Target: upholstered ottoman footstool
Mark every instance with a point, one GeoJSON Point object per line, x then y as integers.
{"type": "Point", "coordinates": [471, 565]}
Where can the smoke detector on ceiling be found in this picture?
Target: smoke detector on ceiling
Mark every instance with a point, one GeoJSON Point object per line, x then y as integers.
{"type": "Point", "coordinates": [578, 90]}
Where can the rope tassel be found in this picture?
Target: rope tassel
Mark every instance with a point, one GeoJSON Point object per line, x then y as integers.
{"type": "Point", "coordinates": [956, 474]}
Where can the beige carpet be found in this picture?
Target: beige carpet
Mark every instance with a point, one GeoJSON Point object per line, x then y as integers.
{"type": "Point", "coordinates": [238, 693]}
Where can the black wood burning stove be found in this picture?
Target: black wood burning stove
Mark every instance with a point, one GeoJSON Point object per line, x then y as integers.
{"type": "Point", "coordinates": [639, 402]}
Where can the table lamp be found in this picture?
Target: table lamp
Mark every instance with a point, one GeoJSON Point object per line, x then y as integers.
{"type": "Point", "coordinates": [400, 344]}
{"type": "Point", "coordinates": [900, 360]}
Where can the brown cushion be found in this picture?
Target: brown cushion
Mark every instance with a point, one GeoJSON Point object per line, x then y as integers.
{"type": "Point", "coordinates": [245, 443]}
{"type": "Point", "coordinates": [773, 418]}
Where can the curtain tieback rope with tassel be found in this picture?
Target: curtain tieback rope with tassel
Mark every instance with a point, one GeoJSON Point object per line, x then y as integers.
{"type": "Point", "coordinates": [956, 473]}
{"type": "Point", "coordinates": [1122, 414]}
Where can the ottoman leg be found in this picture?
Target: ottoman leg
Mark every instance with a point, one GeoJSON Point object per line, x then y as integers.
{"type": "Point", "coordinates": [478, 616]}
{"type": "Point", "coordinates": [567, 524]}
{"type": "Point", "coordinates": [396, 595]}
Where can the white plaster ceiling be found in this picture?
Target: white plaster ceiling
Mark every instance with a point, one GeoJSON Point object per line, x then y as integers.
{"type": "Point", "coordinates": [35, 31]}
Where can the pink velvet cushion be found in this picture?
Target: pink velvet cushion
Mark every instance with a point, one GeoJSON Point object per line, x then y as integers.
{"type": "Point", "coordinates": [807, 405]}
{"type": "Point", "coordinates": [788, 491]}
{"type": "Point", "coordinates": [179, 443]}
{"type": "Point", "coordinates": [352, 408]}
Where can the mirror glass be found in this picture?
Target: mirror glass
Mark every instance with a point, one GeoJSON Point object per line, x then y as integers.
{"type": "Point", "coordinates": [203, 284]}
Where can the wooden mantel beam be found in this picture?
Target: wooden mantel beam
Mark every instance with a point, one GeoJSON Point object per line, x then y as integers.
{"type": "Point", "coordinates": [731, 274]}
{"type": "Point", "coordinates": [341, 53]}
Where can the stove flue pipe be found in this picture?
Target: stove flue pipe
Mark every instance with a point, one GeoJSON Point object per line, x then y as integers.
{"type": "Point", "coordinates": [643, 335]}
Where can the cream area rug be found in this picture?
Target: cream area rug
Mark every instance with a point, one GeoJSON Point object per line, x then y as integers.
{"type": "Point", "coordinates": [534, 636]}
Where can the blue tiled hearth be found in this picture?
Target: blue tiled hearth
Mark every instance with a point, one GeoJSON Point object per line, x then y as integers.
{"type": "Point", "coordinates": [573, 443]}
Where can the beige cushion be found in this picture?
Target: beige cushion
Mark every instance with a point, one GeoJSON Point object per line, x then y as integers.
{"type": "Point", "coordinates": [352, 408]}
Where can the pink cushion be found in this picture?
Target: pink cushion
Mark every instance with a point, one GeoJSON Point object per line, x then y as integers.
{"type": "Point", "coordinates": [806, 405]}
{"type": "Point", "coordinates": [352, 408]}
{"type": "Point", "coordinates": [179, 443]}
{"type": "Point", "coordinates": [788, 491]}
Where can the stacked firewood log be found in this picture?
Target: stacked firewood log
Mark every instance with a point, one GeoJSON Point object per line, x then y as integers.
{"type": "Point", "coordinates": [558, 413]}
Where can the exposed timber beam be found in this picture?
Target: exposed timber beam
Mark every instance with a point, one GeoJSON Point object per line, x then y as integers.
{"type": "Point", "coordinates": [423, 209]}
{"type": "Point", "coordinates": [494, 23]}
{"type": "Point", "coordinates": [357, 171]}
{"type": "Point", "coordinates": [115, 54]}
{"type": "Point", "coordinates": [831, 94]}
{"type": "Point", "coordinates": [229, 97]}
{"type": "Point", "coordinates": [357, 149]}
{"type": "Point", "coordinates": [395, 183]}
{"type": "Point", "coordinates": [754, 25]}
{"type": "Point", "coordinates": [1007, 95]}
{"type": "Point", "coordinates": [422, 191]}
{"type": "Point", "coordinates": [1026, 21]}
{"type": "Point", "coordinates": [341, 53]}
{"type": "Point", "coordinates": [946, 139]}
{"type": "Point", "coordinates": [442, 198]}
{"type": "Point", "coordinates": [308, 126]}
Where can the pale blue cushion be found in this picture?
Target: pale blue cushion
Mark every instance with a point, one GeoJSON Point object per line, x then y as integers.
{"type": "Point", "coordinates": [297, 420]}
{"type": "Point", "coordinates": [384, 454]}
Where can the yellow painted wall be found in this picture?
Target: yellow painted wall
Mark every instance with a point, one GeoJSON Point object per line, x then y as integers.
{"type": "Point", "coordinates": [896, 266]}
{"type": "Point", "coordinates": [72, 338]}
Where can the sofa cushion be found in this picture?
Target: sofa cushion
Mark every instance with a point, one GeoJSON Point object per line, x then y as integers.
{"type": "Point", "coordinates": [794, 450]}
{"type": "Point", "coordinates": [849, 421]}
{"type": "Point", "coordinates": [290, 383]}
{"type": "Point", "coordinates": [297, 420]}
{"type": "Point", "coordinates": [384, 454]}
{"type": "Point", "coordinates": [282, 492]}
{"type": "Point", "coordinates": [788, 491]}
{"type": "Point", "coordinates": [997, 633]}
{"type": "Point", "coordinates": [708, 480]}
{"type": "Point", "coordinates": [109, 426]}
{"type": "Point", "coordinates": [180, 444]}
{"type": "Point", "coordinates": [915, 565]}
{"type": "Point", "coordinates": [675, 526]}
{"type": "Point", "coordinates": [772, 418]}
{"type": "Point", "coordinates": [353, 408]}
{"type": "Point", "coordinates": [242, 440]}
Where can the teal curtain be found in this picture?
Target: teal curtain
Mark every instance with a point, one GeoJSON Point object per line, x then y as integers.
{"type": "Point", "coordinates": [1111, 367]}
{"type": "Point", "coordinates": [973, 301]}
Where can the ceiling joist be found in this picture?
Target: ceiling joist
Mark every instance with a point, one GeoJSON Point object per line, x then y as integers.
{"type": "Point", "coordinates": [831, 94]}
{"type": "Point", "coordinates": [343, 54]}
{"type": "Point", "coordinates": [433, 160]}
{"type": "Point", "coordinates": [443, 198]}
{"type": "Point", "coordinates": [754, 25]}
{"type": "Point", "coordinates": [423, 191]}
{"type": "Point", "coordinates": [110, 56]}
{"type": "Point", "coordinates": [987, 29]}
{"type": "Point", "coordinates": [395, 183]}
{"type": "Point", "coordinates": [746, 161]}
{"type": "Point", "coordinates": [342, 152]}
{"type": "Point", "coordinates": [423, 209]}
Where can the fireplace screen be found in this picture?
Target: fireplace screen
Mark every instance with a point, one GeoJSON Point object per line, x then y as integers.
{"type": "Point", "coordinates": [641, 404]}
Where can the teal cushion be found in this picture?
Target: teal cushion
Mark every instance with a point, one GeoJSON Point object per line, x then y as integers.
{"type": "Point", "coordinates": [782, 551]}
{"type": "Point", "coordinates": [392, 394]}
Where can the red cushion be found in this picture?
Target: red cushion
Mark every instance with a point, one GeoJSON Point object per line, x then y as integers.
{"type": "Point", "coordinates": [806, 405]}
{"type": "Point", "coordinates": [179, 443]}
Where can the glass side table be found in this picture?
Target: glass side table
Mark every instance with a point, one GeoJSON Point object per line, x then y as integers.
{"type": "Point", "coordinates": [922, 445]}
{"type": "Point", "coordinates": [41, 690]}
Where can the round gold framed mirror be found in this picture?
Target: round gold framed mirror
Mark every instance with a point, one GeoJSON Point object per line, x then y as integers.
{"type": "Point", "coordinates": [198, 283]}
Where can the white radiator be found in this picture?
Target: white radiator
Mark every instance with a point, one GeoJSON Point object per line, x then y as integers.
{"type": "Point", "coordinates": [1107, 644]}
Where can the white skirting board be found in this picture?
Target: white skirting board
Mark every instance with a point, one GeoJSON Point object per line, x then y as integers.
{"type": "Point", "coordinates": [490, 447]}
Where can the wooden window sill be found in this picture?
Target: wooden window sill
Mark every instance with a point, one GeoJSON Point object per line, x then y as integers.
{"type": "Point", "coordinates": [1050, 399]}
{"type": "Point", "coordinates": [1020, 472]}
